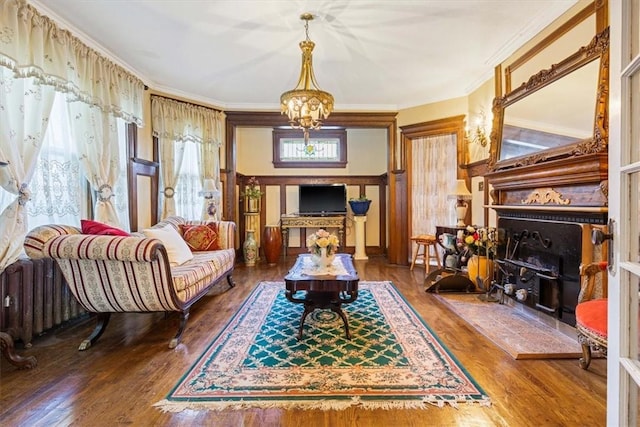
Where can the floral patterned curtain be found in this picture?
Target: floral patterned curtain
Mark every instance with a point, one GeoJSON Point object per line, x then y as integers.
{"type": "Point", "coordinates": [32, 45]}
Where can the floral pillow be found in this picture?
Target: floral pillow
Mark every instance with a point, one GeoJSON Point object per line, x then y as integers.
{"type": "Point", "coordinates": [95, 227]}
{"type": "Point", "coordinates": [201, 238]}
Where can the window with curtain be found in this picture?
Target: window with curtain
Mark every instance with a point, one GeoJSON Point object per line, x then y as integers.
{"type": "Point", "coordinates": [189, 137]}
{"type": "Point", "coordinates": [32, 70]}
{"type": "Point", "coordinates": [433, 175]}
{"type": "Point", "coordinates": [60, 194]}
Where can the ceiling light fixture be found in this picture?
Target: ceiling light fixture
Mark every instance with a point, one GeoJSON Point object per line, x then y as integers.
{"type": "Point", "coordinates": [306, 105]}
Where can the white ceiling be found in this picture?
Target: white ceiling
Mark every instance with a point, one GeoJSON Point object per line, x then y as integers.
{"type": "Point", "coordinates": [375, 55]}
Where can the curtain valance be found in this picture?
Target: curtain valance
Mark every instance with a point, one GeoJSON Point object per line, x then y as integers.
{"type": "Point", "coordinates": [182, 121]}
{"type": "Point", "coordinates": [32, 45]}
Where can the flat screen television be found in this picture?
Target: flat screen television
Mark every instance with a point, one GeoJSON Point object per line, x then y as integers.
{"type": "Point", "coordinates": [322, 199]}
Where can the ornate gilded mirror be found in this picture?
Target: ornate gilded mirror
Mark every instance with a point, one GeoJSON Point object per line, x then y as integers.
{"type": "Point", "coordinates": [559, 112]}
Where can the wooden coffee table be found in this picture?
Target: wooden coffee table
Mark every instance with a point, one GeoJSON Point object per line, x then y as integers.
{"type": "Point", "coordinates": [323, 292]}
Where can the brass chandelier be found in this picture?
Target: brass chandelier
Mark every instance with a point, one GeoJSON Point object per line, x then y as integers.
{"type": "Point", "coordinates": [306, 105]}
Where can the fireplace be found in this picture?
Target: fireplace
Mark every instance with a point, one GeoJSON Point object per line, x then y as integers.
{"type": "Point", "coordinates": [540, 264]}
{"type": "Point", "coordinates": [552, 194]}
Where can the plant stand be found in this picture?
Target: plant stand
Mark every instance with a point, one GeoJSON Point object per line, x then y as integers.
{"type": "Point", "coordinates": [360, 237]}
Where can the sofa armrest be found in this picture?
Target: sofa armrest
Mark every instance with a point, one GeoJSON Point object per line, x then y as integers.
{"type": "Point", "coordinates": [113, 248]}
{"type": "Point", "coordinates": [36, 239]}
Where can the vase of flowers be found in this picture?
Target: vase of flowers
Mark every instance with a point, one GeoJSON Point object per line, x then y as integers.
{"type": "Point", "coordinates": [479, 248]}
{"type": "Point", "coordinates": [252, 195]}
{"type": "Point", "coordinates": [323, 247]}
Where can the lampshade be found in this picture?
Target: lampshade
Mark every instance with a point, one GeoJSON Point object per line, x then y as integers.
{"type": "Point", "coordinates": [306, 105]}
{"type": "Point", "coordinates": [460, 191]}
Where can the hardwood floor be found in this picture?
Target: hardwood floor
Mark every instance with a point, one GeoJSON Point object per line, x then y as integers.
{"type": "Point", "coordinates": [130, 368]}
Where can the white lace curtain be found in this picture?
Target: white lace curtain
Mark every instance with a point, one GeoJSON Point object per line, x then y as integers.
{"type": "Point", "coordinates": [176, 123]}
{"type": "Point", "coordinates": [95, 134]}
{"type": "Point", "coordinates": [433, 175]}
{"type": "Point", "coordinates": [24, 112]}
{"type": "Point", "coordinates": [37, 59]}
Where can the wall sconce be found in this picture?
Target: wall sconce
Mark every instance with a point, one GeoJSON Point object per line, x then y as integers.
{"type": "Point", "coordinates": [478, 134]}
{"type": "Point", "coordinates": [461, 193]}
{"type": "Point", "coordinates": [211, 200]}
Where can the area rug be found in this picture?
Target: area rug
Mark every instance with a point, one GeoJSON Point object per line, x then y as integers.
{"type": "Point", "coordinates": [520, 335]}
{"type": "Point", "coordinates": [392, 361]}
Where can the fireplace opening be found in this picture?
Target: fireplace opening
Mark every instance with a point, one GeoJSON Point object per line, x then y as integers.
{"type": "Point", "coordinates": [540, 265]}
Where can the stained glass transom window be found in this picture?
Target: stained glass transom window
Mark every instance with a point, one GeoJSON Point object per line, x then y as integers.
{"type": "Point", "coordinates": [325, 148]}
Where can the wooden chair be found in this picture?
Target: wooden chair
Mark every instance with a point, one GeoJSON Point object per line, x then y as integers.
{"type": "Point", "coordinates": [428, 244]}
{"type": "Point", "coordinates": [591, 313]}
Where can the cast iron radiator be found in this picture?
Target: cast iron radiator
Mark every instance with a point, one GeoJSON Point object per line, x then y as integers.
{"type": "Point", "coordinates": [35, 298]}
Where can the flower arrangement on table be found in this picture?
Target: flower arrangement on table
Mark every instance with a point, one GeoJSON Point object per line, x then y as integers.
{"type": "Point", "coordinates": [322, 239]}
{"type": "Point", "coordinates": [252, 189]}
{"type": "Point", "coordinates": [481, 241]}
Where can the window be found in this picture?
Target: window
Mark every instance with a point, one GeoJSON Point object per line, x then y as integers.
{"type": "Point", "coordinates": [59, 192]}
{"type": "Point", "coordinates": [326, 148]}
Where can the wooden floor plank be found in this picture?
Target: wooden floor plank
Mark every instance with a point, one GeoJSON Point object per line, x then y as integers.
{"type": "Point", "coordinates": [130, 368]}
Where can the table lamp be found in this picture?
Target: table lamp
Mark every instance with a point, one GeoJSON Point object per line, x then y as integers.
{"type": "Point", "coordinates": [461, 194]}
{"type": "Point", "coordinates": [211, 199]}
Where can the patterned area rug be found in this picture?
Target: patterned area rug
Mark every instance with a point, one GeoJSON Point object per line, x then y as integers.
{"type": "Point", "coordinates": [520, 335]}
{"type": "Point", "coordinates": [392, 361]}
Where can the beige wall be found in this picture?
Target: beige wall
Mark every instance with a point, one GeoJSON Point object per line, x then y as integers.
{"type": "Point", "coordinates": [433, 111]}
{"type": "Point", "coordinates": [366, 155]}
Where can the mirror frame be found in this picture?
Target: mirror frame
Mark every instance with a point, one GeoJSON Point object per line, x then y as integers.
{"type": "Point", "coordinates": [598, 48]}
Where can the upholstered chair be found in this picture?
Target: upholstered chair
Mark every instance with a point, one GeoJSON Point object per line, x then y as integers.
{"type": "Point", "coordinates": [591, 311]}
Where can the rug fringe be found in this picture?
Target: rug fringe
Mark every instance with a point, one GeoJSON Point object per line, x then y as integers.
{"type": "Point", "coordinates": [166, 405]}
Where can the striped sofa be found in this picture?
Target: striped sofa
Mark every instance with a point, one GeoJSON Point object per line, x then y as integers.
{"type": "Point", "coordinates": [110, 274]}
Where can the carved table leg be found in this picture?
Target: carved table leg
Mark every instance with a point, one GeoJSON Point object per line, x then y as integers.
{"type": "Point", "coordinates": [307, 309]}
{"type": "Point", "coordinates": [8, 350]}
{"type": "Point", "coordinates": [337, 309]}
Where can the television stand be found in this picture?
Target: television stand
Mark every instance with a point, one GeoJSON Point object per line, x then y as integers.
{"type": "Point", "coordinates": [302, 221]}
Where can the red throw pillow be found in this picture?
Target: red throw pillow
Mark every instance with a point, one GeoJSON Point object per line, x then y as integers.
{"type": "Point", "coordinates": [201, 238]}
{"type": "Point", "coordinates": [95, 227]}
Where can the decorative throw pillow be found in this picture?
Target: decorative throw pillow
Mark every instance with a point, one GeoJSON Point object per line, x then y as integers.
{"type": "Point", "coordinates": [94, 227]}
{"type": "Point", "coordinates": [201, 238]}
{"type": "Point", "coordinates": [177, 250]}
